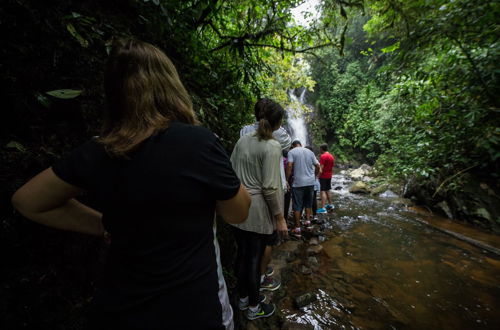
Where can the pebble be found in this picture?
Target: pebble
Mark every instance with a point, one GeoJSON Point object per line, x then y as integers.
{"type": "Point", "coordinates": [313, 261]}
{"type": "Point", "coordinates": [304, 300]}
{"type": "Point", "coordinates": [305, 270]}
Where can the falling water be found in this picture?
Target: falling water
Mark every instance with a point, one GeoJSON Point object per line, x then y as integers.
{"type": "Point", "coordinates": [295, 119]}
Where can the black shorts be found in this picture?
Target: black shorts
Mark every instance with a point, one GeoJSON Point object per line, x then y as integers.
{"type": "Point", "coordinates": [326, 184]}
{"type": "Point", "coordinates": [272, 239]}
{"type": "Point", "coordinates": [302, 197]}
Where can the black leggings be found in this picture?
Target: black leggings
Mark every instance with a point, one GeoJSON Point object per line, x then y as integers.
{"type": "Point", "coordinates": [288, 198]}
{"type": "Point", "coordinates": [250, 250]}
{"type": "Point", "coordinates": [315, 203]}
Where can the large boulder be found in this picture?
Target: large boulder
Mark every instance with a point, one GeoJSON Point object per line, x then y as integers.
{"type": "Point", "coordinates": [357, 174]}
{"type": "Point", "coordinates": [475, 201]}
{"type": "Point", "coordinates": [379, 189]}
{"type": "Point", "coordinates": [361, 173]}
{"type": "Point", "coordinates": [366, 167]}
{"type": "Point", "coordinates": [359, 187]}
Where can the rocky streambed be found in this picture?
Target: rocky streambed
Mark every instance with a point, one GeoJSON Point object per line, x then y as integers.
{"type": "Point", "coordinates": [377, 263]}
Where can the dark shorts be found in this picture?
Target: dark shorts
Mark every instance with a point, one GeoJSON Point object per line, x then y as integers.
{"type": "Point", "coordinates": [272, 239]}
{"type": "Point", "coordinates": [326, 184]}
{"type": "Point", "coordinates": [302, 197]}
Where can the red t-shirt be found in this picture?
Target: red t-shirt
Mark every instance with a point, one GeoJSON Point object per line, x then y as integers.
{"type": "Point", "coordinates": [327, 161]}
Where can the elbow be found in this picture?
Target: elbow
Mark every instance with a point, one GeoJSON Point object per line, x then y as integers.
{"type": "Point", "coordinates": [236, 210]}
{"type": "Point", "coordinates": [21, 204]}
{"type": "Point", "coordinates": [16, 201]}
{"type": "Point", "coordinates": [243, 214]}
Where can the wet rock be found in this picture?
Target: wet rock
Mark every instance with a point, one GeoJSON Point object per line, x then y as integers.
{"type": "Point", "coordinates": [443, 207]}
{"type": "Point", "coordinates": [360, 173]}
{"type": "Point", "coordinates": [315, 249]}
{"type": "Point", "coordinates": [377, 190]}
{"type": "Point", "coordinates": [333, 251]}
{"type": "Point", "coordinates": [388, 194]}
{"type": "Point", "coordinates": [338, 188]}
{"type": "Point", "coordinates": [359, 187]}
{"type": "Point", "coordinates": [482, 212]}
{"type": "Point", "coordinates": [285, 275]}
{"type": "Point", "coordinates": [366, 179]}
{"type": "Point", "coordinates": [402, 202]}
{"type": "Point", "coordinates": [290, 325]}
{"type": "Point", "coordinates": [305, 270]}
{"type": "Point", "coordinates": [305, 299]}
{"type": "Point", "coordinates": [314, 241]}
{"type": "Point", "coordinates": [321, 238]}
{"type": "Point", "coordinates": [474, 201]}
{"type": "Point", "coordinates": [313, 261]}
{"type": "Point", "coordinates": [288, 256]}
{"type": "Point", "coordinates": [366, 167]}
{"type": "Point", "coordinates": [290, 246]}
{"type": "Point", "coordinates": [357, 174]}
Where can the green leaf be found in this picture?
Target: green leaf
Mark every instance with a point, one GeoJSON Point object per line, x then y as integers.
{"type": "Point", "coordinates": [43, 100]}
{"type": "Point", "coordinates": [82, 41]}
{"type": "Point", "coordinates": [390, 48]}
{"type": "Point", "coordinates": [65, 93]}
{"type": "Point", "coordinates": [16, 145]}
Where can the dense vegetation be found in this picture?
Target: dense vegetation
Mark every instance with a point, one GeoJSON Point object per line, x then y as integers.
{"type": "Point", "coordinates": [409, 85]}
{"type": "Point", "coordinates": [417, 94]}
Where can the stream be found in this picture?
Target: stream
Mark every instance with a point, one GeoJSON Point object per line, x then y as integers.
{"type": "Point", "coordinates": [381, 267]}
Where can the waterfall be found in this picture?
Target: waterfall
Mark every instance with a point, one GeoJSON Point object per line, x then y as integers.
{"type": "Point", "coordinates": [296, 122]}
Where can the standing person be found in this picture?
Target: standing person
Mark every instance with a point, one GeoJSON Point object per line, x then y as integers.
{"type": "Point", "coordinates": [288, 192]}
{"type": "Point", "coordinates": [256, 160]}
{"type": "Point", "coordinates": [268, 282]}
{"type": "Point", "coordinates": [326, 161]}
{"type": "Point", "coordinates": [160, 179]}
{"type": "Point", "coordinates": [305, 167]}
{"type": "Point", "coordinates": [317, 188]}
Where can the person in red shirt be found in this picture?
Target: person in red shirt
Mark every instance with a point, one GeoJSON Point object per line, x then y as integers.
{"type": "Point", "coordinates": [326, 163]}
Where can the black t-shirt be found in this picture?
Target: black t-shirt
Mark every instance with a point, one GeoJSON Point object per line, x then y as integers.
{"type": "Point", "coordinates": [159, 207]}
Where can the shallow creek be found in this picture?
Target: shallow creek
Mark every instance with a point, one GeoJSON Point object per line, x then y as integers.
{"type": "Point", "coordinates": [381, 267]}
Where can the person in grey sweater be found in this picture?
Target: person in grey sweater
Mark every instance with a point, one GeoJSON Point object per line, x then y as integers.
{"type": "Point", "coordinates": [256, 161]}
{"type": "Point", "coordinates": [268, 282]}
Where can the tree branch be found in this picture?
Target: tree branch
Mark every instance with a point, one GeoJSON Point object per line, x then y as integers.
{"type": "Point", "coordinates": [304, 50]}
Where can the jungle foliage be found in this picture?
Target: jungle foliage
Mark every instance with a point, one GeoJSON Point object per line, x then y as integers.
{"type": "Point", "coordinates": [410, 85]}
{"type": "Point", "coordinates": [417, 90]}
{"type": "Point", "coordinates": [228, 54]}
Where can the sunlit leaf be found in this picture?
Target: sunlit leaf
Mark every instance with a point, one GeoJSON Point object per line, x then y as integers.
{"type": "Point", "coordinates": [65, 93]}
{"type": "Point", "coordinates": [82, 41]}
{"type": "Point", "coordinates": [15, 145]}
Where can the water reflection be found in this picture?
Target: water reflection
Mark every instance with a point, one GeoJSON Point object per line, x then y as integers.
{"type": "Point", "coordinates": [383, 269]}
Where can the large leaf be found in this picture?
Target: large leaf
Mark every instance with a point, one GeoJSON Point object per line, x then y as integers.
{"type": "Point", "coordinates": [15, 145]}
{"type": "Point", "coordinates": [71, 29]}
{"type": "Point", "coordinates": [65, 93]}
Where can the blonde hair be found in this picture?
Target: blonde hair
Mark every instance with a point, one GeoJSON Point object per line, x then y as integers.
{"type": "Point", "coordinates": [144, 94]}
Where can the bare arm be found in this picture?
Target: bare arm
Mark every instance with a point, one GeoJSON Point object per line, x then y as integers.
{"type": "Point", "coordinates": [316, 169]}
{"type": "Point", "coordinates": [48, 200]}
{"type": "Point", "coordinates": [289, 169]}
{"type": "Point", "coordinates": [235, 210]}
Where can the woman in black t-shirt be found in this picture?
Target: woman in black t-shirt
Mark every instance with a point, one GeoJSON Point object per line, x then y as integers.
{"type": "Point", "coordinates": [159, 179]}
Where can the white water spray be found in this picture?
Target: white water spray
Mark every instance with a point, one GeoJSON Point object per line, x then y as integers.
{"type": "Point", "coordinates": [296, 120]}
